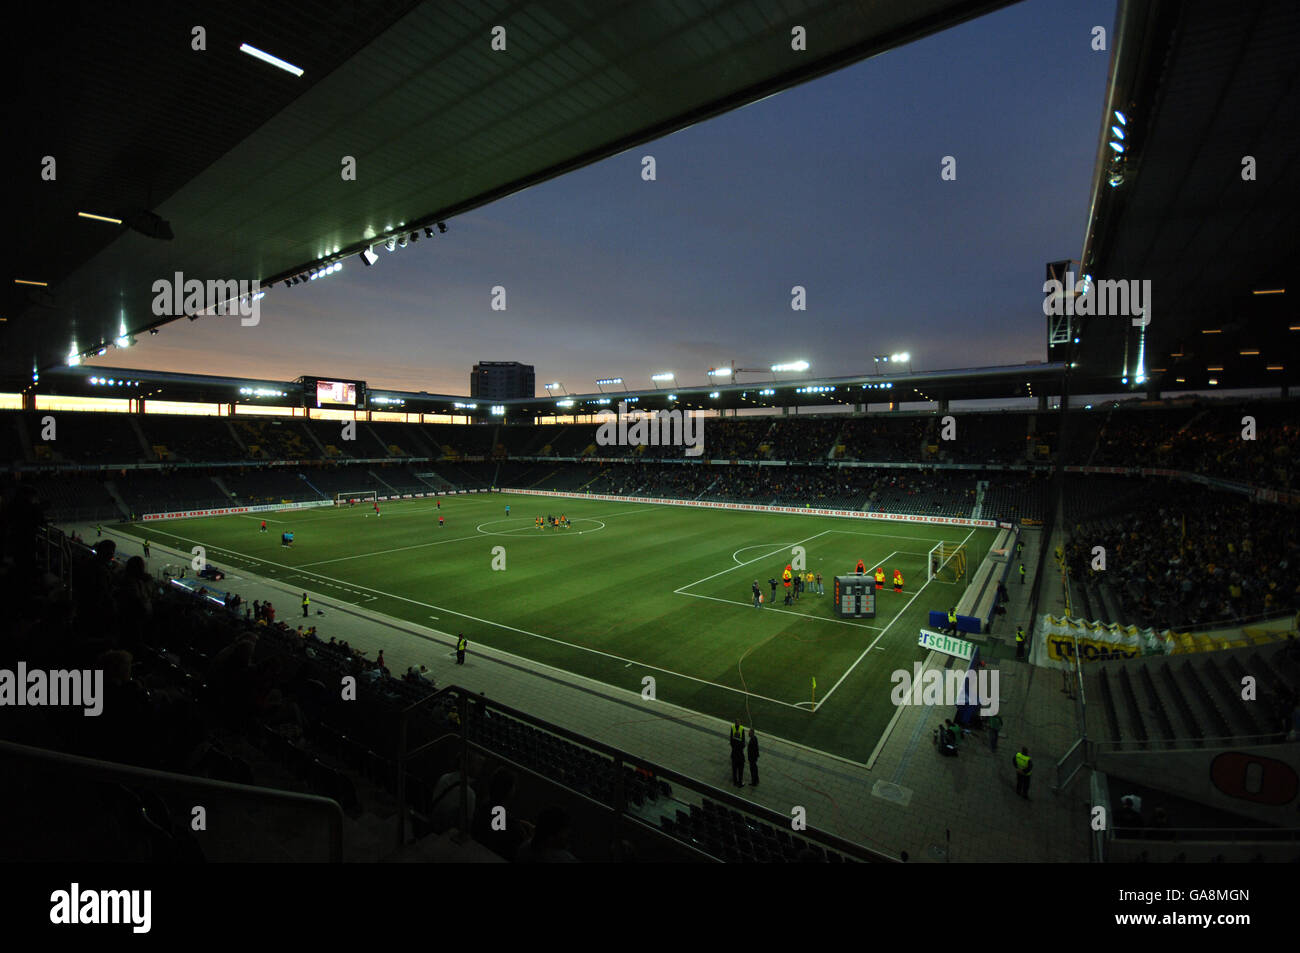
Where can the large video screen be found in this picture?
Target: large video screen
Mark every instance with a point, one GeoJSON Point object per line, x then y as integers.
{"type": "Point", "coordinates": [342, 393]}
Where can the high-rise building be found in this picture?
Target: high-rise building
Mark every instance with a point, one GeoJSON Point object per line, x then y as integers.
{"type": "Point", "coordinates": [501, 380]}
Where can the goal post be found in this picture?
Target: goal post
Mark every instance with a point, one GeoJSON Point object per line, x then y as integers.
{"type": "Point", "coordinates": [946, 563]}
{"type": "Point", "coordinates": [359, 496]}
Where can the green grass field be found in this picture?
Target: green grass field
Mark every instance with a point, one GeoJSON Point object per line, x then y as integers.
{"type": "Point", "coordinates": [631, 590]}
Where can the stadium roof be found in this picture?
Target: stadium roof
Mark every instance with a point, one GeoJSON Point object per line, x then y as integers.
{"type": "Point", "coordinates": [1202, 85]}
{"type": "Point", "coordinates": [244, 161]}
{"type": "Point", "coordinates": [984, 383]}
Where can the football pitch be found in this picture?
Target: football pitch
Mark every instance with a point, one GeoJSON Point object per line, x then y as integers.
{"type": "Point", "coordinates": [630, 590]}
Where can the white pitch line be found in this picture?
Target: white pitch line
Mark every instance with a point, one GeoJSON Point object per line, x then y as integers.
{"type": "Point", "coordinates": [880, 636]}
{"type": "Point", "coordinates": [501, 625]}
{"type": "Point", "coordinates": [682, 590]}
{"type": "Point", "coordinates": [385, 552]}
{"type": "Point", "coordinates": [804, 615]}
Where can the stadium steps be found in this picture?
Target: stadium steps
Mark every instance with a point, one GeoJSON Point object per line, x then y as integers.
{"type": "Point", "coordinates": [118, 499]}
{"type": "Point", "coordinates": [1137, 727]}
{"type": "Point", "coordinates": [1156, 705]}
{"type": "Point", "coordinates": [234, 435]}
{"type": "Point", "coordinates": [221, 485]}
{"type": "Point", "coordinates": [379, 441]}
{"type": "Point", "coordinates": [311, 436]}
{"type": "Point", "coordinates": [382, 482]}
{"type": "Point", "coordinates": [536, 484]}
{"type": "Point", "coordinates": [24, 438]}
{"type": "Point", "coordinates": [1238, 712]}
{"type": "Point", "coordinates": [1190, 725]}
{"type": "Point", "coordinates": [1108, 603]}
{"type": "Point", "coordinates": [144, 441]}
{"type": "Point", "coordinates": [1218, 724]}
{"type": "Point", "coordinates": [1108, 704]}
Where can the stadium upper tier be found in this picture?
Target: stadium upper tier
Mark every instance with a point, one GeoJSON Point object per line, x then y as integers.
{"type": "Point", "coordinates": [1207, 439]}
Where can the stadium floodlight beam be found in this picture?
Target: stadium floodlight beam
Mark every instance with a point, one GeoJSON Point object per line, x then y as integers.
{"type": "Point", "coordinates": [663, 376]}
{"type": "Point", "coordinates": [268, 58]}
{"type": "Point", "coordinates": [795, 366]}
{"type": "Point", "coordinates": [610, 382]}
{"type": "Point", "coordinates": [719, 372]}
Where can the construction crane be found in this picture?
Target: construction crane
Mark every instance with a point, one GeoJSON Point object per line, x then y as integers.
{"type": "Point", "coordinates": [732, 371]}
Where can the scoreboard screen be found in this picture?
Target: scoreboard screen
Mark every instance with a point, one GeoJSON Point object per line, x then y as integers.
{"type": "Point", "coordinates": [336, 392]}
{"type": "Point", "coordinates": [855, 597]}
{"type": "Point", "coordinates": [318, 392]}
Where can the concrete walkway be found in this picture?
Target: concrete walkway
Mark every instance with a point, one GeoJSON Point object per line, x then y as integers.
{"type": "Point", "coordinates": [912, 800]}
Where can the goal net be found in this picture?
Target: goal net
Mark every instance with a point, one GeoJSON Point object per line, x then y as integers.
{"type": "Point", "coordinates": [947, 563]}
{"type": "Point", "coordinates": [358, 496]}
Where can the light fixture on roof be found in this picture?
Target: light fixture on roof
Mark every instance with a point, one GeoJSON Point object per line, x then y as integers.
{"type": "Point", "coordinates": [268, 58]}
{"type": "Point", "coordinates": [391, 244]}
{"type": "Point", "coordinates": [149, 224]}
{"type": "Point", "coordinates": [1120, 118]}
{"type": "Point", "coordinates": [442, 227]}
{"type": "Point", "coordinates": [1116, 146]}
{"type": "Point", "coordinates": [368, 257]}
{"type": "Point", "coordinates": [428, 232]}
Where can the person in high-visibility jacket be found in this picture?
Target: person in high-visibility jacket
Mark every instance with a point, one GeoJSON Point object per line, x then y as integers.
{"type": "Point", "coordinates": [1020, 642]}
{"type": "Point", "coordinates": [880, 577]}
{"type": "Point", "coordinates": [1024, 768]}
{"type": "Point", "coordinates": [898, 580]}
{"type": "Point", "coordinates": [952, 620]}
{"type": "Point", "coordinates": [738, 754]}
{"type": "Point", "coordinates": [461, 643]}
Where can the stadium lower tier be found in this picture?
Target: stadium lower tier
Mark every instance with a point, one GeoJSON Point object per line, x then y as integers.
{"type": "Point", "coordinates": [966, 494]}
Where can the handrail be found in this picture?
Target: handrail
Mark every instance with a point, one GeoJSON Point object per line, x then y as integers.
{"type": "Point", "coordinates": [131, 774]}
{"type": "Point", "coordinates": [1187, 744]}
{"type": "Point", "coordinates": [620, 758]}
{"type": "Point", "coordinates": [1199, 833]}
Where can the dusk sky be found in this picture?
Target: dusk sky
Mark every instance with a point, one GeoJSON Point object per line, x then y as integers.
{"type": "Point", "coordinates": [833, 185]}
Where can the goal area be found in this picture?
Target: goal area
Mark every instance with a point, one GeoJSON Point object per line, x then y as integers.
{"type": "Point", "coordinates": [357, 496]}
{"type": "Point", "coordinates": [947, 563]}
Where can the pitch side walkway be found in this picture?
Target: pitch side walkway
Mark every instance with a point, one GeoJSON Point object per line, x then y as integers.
{"type": "Point", "coordinates": [936, 809]}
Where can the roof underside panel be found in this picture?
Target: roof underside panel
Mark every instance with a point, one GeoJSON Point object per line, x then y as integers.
{"type": "Point", "coordinates": [244, 161]}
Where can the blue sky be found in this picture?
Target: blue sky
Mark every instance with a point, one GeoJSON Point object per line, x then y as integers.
{"type": "Point", "coordinates": [834, 185]}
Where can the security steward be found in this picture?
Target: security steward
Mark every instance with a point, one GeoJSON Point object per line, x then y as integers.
{"type": "Point", "coordinates": [306, 604]}
{"type": "Point", "coordinates": [461, 642]}
{"type": "Point", "coordinates": [1024, 768]}
{"type": "Point", "coordinates": [952, 620]}
{"type": "Point", "coordinates": [1020, 643]}
{"type": "Point", "coordinates": [738, 755]}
